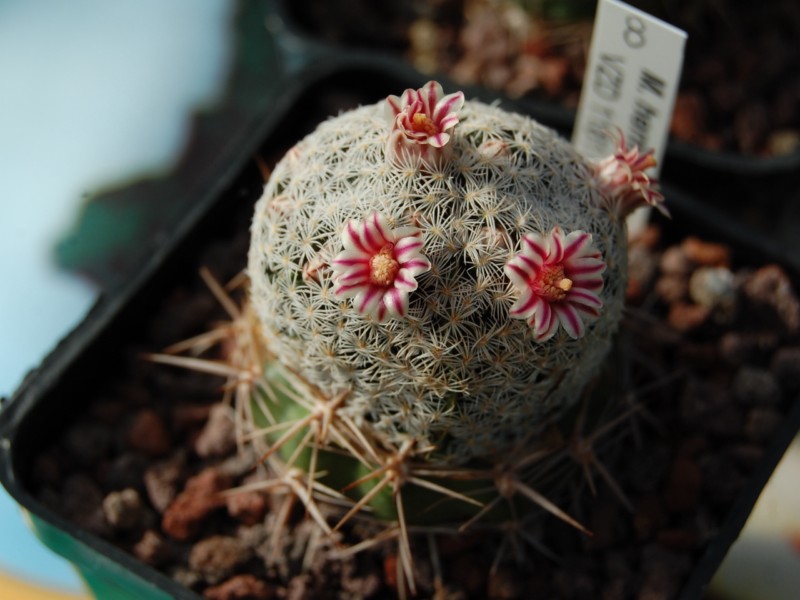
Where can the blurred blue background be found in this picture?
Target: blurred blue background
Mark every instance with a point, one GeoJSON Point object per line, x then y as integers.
{"type": "Point", "coordinates": [93, 93]}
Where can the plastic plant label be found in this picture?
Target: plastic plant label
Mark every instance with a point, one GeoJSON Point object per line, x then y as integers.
{"type": "Point", "coordinates": [631, 81]}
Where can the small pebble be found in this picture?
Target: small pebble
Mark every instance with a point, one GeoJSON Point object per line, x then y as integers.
{"type": "Point", "coordinates": [770, 291]}
{"type": "Point", "coordinates": [87, 442]}
{"type": "Point", "coordinates": [663, 572]}
{"type": "Point", "coordinates": [148, 434]}
{"type": "Point", "coordinates": [240, 587]}
{"type": "Point", "coordinates": [153, 549]}
{"type": "Point", "coordinates": [124, 510]}
{"type": "Point", "coordinates": [672, 288]}
{"type": "Point", "coordinates": [162, 479]}
{"type": "Point", "coordinates": [248, 508]}
{"type": "Point", "coordinates": [687, 317]}
{"type": "Point", "coordinates": [762, 422]}
{"type": "Point", "coordinates": [215, 558]}
{"type": "Point", "coordinates": [752, 385]}
{"type": "Point", "coordinates": [218, 437]}
{"type": "Point", "coordinates": [706, 254]}
{"type": "Point", "coordinates": [713, 288]}
{"type": "Point", "coordinates": [675, 262]}
{"type": "Point", "coordinates": [785, 367]}
{"type": "Point", "coordinates": [126, 471]}
{"type": "Point", "coordinates": [683, 486]}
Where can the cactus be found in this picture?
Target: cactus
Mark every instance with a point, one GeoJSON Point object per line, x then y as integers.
{"type": "Point", "coordinates": [460, 353]}
{"type": "Point", "coordinates": [433, 285]}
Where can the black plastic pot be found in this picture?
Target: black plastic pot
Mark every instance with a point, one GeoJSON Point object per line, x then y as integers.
{"type": "Point", "coordinates": [760, 192]}
{"type": "Point", "coordinates": [220, 203]}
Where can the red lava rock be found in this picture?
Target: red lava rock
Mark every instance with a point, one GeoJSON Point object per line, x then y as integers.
{"type": "Point", "coordinates": [751, 126]}
{"type": "Point", "coordinates": [684, 485]}
{"type": "Point", "coordinates": [240, 587]}
{"type": "Point", "coordinates": [689, 115]}
{"type": "Point", "coordinates": [299, 588]}
{"type": "Point", "coordinates": [216, 557]}
{"type": "Point", "coordinates": [148, 434]}
{"type": "Point", "coordinates": [707, 254]}
{"type": "Point", "coordinates": [687, 317]}
{"type": "Point", "coordinates": [248, 508]}
{"type": "Point", "coordinates": [153, 549]}
{"type": "Point", "coordinates": [390, 570]}
{"type": "Point", "coordinates": [200, 497]}
{"type": "Point", "coordinates": [218, 437]}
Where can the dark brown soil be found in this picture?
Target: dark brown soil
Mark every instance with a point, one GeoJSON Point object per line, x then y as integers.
{"type": "Point", "coordinates": [144, 467]}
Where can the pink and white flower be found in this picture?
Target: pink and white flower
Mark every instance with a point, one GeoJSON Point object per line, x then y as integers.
{"type": "Point", "coordinates": [421, 120]}
{"type": "Point", "coordinates": [625, 181]}
{"type": "Point", "coordinates": [560, 279]}
{"type": "Point", "coordinates": [378, 267]}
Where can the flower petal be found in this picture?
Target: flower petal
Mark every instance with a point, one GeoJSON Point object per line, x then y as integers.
{"type": "Point", "coordinates": [544, 323]}
{"type": "Point", "coordinates": [375, 232]}
{"type": "Point", "coordinates": [536, 272]}
{"type": "Point", "coordinates": [353, 267]}
{"type": "Point", "coordinates": [367, 299]}
{"type": "Point", "coordinates": [570, 320]}
{"type": "Point", "coordinates": [396, 302]}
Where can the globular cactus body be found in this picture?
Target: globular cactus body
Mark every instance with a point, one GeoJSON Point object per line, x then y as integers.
{"type": "Point", "coordinates": [500, 287]}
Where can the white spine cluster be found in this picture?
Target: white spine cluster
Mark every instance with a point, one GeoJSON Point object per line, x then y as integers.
{"type": "Point", "coordinates": [457, 371]}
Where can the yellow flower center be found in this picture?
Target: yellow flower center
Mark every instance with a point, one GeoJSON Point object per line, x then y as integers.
{"type": "Point", "coordinates": [383, 266]}
{"type": "Point", "coordinates": [422, 123]}
{"type": "Point", "coordinates": [551, 284]}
